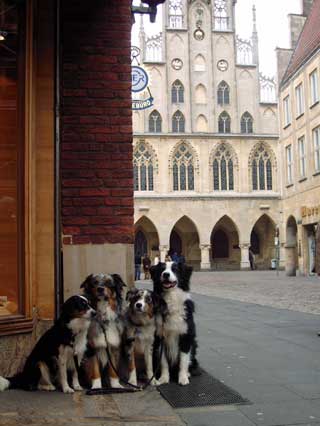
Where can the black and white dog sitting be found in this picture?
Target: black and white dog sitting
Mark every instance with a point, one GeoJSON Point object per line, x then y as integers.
{"type": "Point", "coordinates": [143, 318]}
{"type": "Point", "coordinates": [172, 282]}
{"type": "Point", "coordinates": [53, 356]}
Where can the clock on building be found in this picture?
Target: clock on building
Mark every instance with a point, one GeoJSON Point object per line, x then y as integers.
{"type": "Point", "coordinates": [198, 34]}
{"type": "Point", "coordinates": [222, 65]}
{"type": "Point", "coordinates": [176, 64]}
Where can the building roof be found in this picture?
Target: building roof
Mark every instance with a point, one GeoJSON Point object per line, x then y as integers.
{"type": "Point", "coordinates": [308, 42]}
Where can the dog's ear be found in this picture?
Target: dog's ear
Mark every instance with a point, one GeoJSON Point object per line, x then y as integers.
{"type": "Point", "coordinates": [86, 283]}
{"type": "Point", "coordinates": [118, 281]}
{"type": "Point", "coordinates": [185, 273]}
{"type": "Point", "coordinates": [155, 272]}
{"type": "Point", "coordinates": [131, 293]}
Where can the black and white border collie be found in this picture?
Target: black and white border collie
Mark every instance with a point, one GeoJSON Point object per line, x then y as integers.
{"type": "Point", "coordinates": [172, 282]}
{"type": "Point", "coordinates": [53, 355]}
{"type": "Point", "coordinates": [143, 318]}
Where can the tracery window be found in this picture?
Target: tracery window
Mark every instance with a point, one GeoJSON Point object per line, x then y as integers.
{"type": "Point", "coordinates": [175, 14]}
{"type": "Point", "coordinates": [222, 167]}
{"type": "Point", "coordinates": [183, 169]}
{"type": "Point", "coordinates": [178, 122]}
{"type": "Point", "coordinates": [223, 93]}
{"type": "Point", "coordinates": [143, 168]}
{"type": "Point", "coordinates": [155, 122]}
{"type": "Point", "coordinates": [261, 169]}
{"type": "Point", "coordinates": [221, 19]}
{"type": "Point", "coordinates": [246, 123]}
{"type": "Point", "coordinates": [177, 92]}
{"type": "Point", "coordinates": [224, 123]}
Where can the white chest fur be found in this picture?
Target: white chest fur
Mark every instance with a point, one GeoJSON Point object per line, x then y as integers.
{"type": "Point", "coordinates": [79, 327]}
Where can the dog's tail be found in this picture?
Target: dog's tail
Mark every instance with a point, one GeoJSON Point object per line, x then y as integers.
{"type": "Point", "coordinates": [19, 381]}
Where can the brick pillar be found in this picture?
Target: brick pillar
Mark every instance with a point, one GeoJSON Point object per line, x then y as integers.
{"type": "Point", "coordinates": [96, 140]}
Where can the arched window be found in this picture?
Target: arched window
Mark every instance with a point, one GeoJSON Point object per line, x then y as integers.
{"type": "Point", "coordinates": [246, 123]}
{"type": "Point", "coordinates": [222, 169]}
{"type": "Point", "coordinates": [223, 93]}
{"type": "Point", "coordinates": [220, 244]}
{"type": "Point", "coordinates": [221, 19]}
{"type": "Point", "coordinates": [155, 122]}
{"type": "Point", "coordinates": [143, 168]}
{"type": "Point", "coordinates": [178, 122]}
{"type": "Point", "coordinates": [224, 123]}
{"type": "Point", "coordinates": [177, 92]}
{"type": "Point", "coordinates": [175, 14]}
{"type": "Point", "coordinates": [261, 169]}
{"type": "Point", "coordinates": [183, 169]}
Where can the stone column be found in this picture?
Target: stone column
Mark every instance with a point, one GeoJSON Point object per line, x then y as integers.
{"type": "Point", "coordinates": [163, 251]}
{"type": "Point", "coordinates": [244, 248]}
{"type": "Point", "coordinates": [205, 256]}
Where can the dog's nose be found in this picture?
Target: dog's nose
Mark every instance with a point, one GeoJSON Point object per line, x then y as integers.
{"type": "Point", "coordinates": [93, 313]}
{"type": "Point", "coordinates": [166, 275]}
{"type": "Point", "coordinates": [138, 305]}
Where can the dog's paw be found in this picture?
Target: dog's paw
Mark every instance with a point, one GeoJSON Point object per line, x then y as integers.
{"type": "Point", "coordinates": [183, 379]}
{"type": "Point", "coordinates": [163, 380]}
{"type": "Point", "coordinates": [154, 382]}
{"type": "Point", "coordinates": [48, 388]}
{"type": "Point", "coordinates": [115, 384]}
{"type": "Point", "coordinates": [67, 389]}
{"type": "Point", "coordinates": [77, 387]}
{"type": "Point", "coordinates": [96, 384]}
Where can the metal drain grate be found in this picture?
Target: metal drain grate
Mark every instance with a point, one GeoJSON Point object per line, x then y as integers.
{"type": "Point", "coordinates": [203, 390]}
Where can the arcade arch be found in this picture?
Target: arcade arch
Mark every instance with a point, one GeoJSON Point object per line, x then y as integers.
{"type": "Point", "coordinates": [146, 238]}
{"type": "Point", "coordinates": [225, 251]}
{"type": "Point", "coordinates": [184, 239]}
{"type": "Point", "coordinates": [262, 242]}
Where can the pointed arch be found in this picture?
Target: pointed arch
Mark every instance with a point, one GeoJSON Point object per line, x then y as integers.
{"type": "Point", "coordinates": [200, 94]}
{"type": "Point", "coordinates": [178, 122]}
{"type": "Point", "coordinates": [262, 241]}
{"type": "Point", "coordinates": [150, 233]}
{"type": "Point", "coordinates": [224, 244]}
{"type": "Point", "coordinates": [246, 123]}
{"type": "Point", "coordinates": [199, 63]}
{"type": "Point", "coordinates": [224, 123]}
{"type": "Point", "coordinates": [183, 163]}
{"type": "Point", "coordinates": [184, 240]}
{"type": "Point", "coordinates": [222, 42]}
{"type": "Point", "coordinates": [155, 122]}
{"type": "Point", "coordinates": [224, 167]}
{"type": "Point", "coordinates": [177, 92]}
{"type": "Point", "coordinates": [269, 112]}
{"type": "Point", "coordinates": [156, 74]}
{"type": "Point", "coordinates": [223, 93]}
{"type": "Point", "coordinates": [262, 167]}
{"type": "Point", "coordinates": [245, 75]}
{"type": "Point", "coordinates": [145, 165]}
{"type": "Point", "coordinates": [201, 123]}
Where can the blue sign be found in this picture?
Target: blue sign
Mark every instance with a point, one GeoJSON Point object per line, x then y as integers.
{"type": "Point", "coordinates": [142, 103]}
{"type": "Point", "coordinates": [139, 79]}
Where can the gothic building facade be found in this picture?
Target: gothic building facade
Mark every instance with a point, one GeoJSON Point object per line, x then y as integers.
{"type": "Point", "coordinates": [206, 161]}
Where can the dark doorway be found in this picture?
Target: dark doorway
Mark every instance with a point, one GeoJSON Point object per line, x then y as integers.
{"type": "Point", "coordinates": [220, 244]}
{"type": "Point", "coordinates": [255, 242]}
{"type": "Point", "coordinates": [175, 243]}
{"type": "Point", "coordinates": [140, 244]}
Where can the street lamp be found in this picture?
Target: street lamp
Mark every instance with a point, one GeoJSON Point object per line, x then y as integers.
{"type": "Point", "coordinates": [151, 9]}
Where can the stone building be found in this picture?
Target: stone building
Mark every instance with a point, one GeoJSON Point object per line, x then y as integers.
{"type": "Point", "coordinates": [206, 160]}
{"type": "Point", "coordinates": [299, 73]}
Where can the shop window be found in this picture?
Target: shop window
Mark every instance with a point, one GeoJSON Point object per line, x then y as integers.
{"type": "Point", "coordinates": [12, 78]}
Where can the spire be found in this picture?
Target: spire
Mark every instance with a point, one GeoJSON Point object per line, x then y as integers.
{"type": "Point", "coordinates": [255, 41]}
{"type": "Point", "coordinates": [142, 38]}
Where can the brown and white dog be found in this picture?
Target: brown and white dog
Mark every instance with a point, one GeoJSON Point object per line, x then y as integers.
{"type": "Point", "coordinates": [143, 322]}
{"type": "Point", "coordinates": [104, 293]}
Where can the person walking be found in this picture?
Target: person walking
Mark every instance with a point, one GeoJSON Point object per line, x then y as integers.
{"type": "Point", "coordinates": [146, 263]}
{"type": "Point", "coordinates": [137, 266]}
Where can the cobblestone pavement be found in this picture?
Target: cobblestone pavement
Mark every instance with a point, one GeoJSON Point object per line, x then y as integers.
{"type": "Point", "coordinates": [261, 287]}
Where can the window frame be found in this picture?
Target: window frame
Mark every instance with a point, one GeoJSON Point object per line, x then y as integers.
{"type": "Point", "coordinates": [302, 156]}
{"type": "Point", "coordinates": [289, 164]}
{"type": "Point", "coordinates": [299, 96]}
{"type": "Point", "coordinates": [286, 111]}
{"type": "Point", "coordinates": [314, 87]}
{"type": "Point", "coordinates": [316, 148]}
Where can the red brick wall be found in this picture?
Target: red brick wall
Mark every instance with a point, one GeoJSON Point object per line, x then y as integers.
{"type": "Point", "coordinates": [96, 126]}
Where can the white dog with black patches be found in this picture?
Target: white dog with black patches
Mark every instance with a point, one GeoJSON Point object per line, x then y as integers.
{"type": "Point", "coordinates": [172, 282]}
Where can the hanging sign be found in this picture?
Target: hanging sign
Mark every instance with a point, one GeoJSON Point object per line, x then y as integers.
{"type": "Point", "coordinates": [140, 81]}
